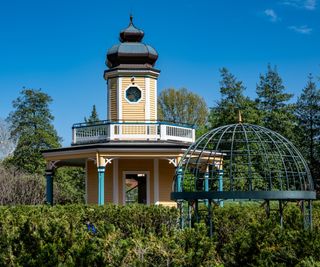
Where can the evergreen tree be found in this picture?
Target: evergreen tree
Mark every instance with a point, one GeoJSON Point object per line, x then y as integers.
{"type": "Point", "coordinates": [94, 117]}
{"type": "Point", "coordinates": [272, 102]}
{"type": "Point", "coordinates": [31, 125]}
{"type": "Point", "coordinates": [308, 114]}
{"type": "Point", "coordinates": [232, 100]}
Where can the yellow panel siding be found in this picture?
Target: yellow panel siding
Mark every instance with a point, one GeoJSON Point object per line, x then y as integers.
{"type": "Point", "coordinates": [108, 184]}
{"type": "Point", "coordinates": [133, 111]}
{"type": "Point", "coordinates": [166, 174]}
{"type": "Point", "coordinates": [113, 99]}
{"type": "Point", "coordinates": [92, 183]}
{"type": "Point", "coordinates": [153, 105]}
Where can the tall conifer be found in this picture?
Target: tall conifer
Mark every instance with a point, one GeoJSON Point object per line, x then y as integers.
{"type": "Point", "coordinates": [277, 113]}
{"type": "Point", "coordinates": [308, 114]}
{"type": "Point", "coordinates": [31, 125]}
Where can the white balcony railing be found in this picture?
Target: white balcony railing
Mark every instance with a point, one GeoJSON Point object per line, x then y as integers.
{"type": "Point", "coordinates": [102, 131]}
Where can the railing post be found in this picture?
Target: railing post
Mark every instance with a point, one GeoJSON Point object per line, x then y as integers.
{"type": "Point", "coordinates": [111, 131]}
{"type": "Point", "coordinates": [74, 135]}
{"type": "Point", "coordinates": [193, 135]}
{"type": "Point", "coordinates": [163, 132]}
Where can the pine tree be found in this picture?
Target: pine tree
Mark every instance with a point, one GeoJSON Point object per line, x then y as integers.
{"type": "Point", "coordinates": [308, 114]}
{"type": "Point", "coordinates": [232, 100]}
{"type": "Point", "coordinates": [31, 125]}
{"type": "Point", "coordinates": [273, 103]}
{"type": "Point", "coordinates": [94, 117]}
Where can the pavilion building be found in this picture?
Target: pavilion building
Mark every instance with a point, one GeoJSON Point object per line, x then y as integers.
{"type": "Point", "coordinates": [131, 156]}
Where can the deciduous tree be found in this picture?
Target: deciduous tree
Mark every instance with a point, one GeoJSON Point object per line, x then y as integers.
{"type": "Point", "coordinates": [7, 144]}
{"type": "Point", "coordinates": [182, 106]}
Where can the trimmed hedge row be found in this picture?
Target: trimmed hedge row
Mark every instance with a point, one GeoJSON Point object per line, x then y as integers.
{"type": "Point", "coordinates": [137, 235]}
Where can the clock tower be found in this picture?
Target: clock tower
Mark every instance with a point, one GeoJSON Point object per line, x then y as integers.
{"type": "Point", "coordinates": [131, 78]}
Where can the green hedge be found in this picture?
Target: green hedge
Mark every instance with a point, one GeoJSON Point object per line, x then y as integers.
{"type": "Point", "coordinates": [148, 236]}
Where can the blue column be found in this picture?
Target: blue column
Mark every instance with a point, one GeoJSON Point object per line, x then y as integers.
{"type": "Point", "coordinates": [179, 180]}
{"type": "Point", "coordinates": [101, 170]}
{"type": "Point", "coordinates": [206, 181]}
{"type": "Point", "coordinates": [49, 187]}
{"type": "Point", "coordinates": [220, 180]}
{"type": "Point", "coordinates": [206, 184]}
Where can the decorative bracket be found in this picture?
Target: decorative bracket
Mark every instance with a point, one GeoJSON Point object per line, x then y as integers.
{"type": "Point", "coordinates": [52, 164]}
{"type": "Point", "coordinates": [173, 161]}
{"type": "Point", "coordinates": [108, 160]}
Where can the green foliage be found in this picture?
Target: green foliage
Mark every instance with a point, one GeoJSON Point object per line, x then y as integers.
{"type": "Point", "coordinates": [232, 101]}
{"type": "Point", "coordinates": [273, 103]}
{"type": "Point", "coordinates": [308, 114]}
{"type": "Point", "coordinates": [182, 106]}
{"type": "Point", "coordinates": [138, 235]}
{"type": "Point", "coordinates": [31, 125]}
{"type": "Point", "coordinates": [70, 185]}
{"type": "Point", "coordinates": [94, 117]}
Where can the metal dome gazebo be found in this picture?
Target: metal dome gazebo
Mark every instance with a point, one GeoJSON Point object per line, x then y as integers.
{"type": "Point", "coordinates": [242, 162]}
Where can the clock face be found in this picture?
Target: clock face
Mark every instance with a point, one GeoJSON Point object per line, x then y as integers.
{"type": "Point", "coordinates": [133, 94]}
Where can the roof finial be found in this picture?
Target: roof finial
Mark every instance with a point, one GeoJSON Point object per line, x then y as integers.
{"type": "Point", "coordinates": [239, 116]}
{"type": "Point", "coordinates": [131, 18]}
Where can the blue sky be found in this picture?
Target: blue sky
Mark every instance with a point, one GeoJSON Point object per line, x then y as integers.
{"type": "Point", "coordinates": [60, 46]}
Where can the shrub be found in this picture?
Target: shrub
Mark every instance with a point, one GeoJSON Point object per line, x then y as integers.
{"type": "Point", "coordinates": [138, 235]}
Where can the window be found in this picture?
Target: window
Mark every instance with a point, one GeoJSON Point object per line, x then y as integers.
{"type": "Point", "coordinates": [133, 94]}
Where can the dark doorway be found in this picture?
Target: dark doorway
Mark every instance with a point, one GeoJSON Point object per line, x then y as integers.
{"type": "Point", "coordinates": [136, 188]}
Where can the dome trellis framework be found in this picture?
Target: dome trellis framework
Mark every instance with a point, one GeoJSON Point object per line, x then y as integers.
{"type": "Point", "coordinates": [242, 161]}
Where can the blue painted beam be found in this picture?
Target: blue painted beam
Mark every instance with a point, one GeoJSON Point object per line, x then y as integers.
{"type": "Point", "coordinates": [220, 189]}
{"type": "Point", "coordinates": [179, 180]}
{"type": "Point", "coordinates": [101, 171]}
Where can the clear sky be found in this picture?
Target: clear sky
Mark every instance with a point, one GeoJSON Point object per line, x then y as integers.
{"type": "Point", "coordinates": [60, 46]}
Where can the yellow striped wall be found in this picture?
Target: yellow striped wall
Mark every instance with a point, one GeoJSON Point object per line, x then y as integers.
{"type": "Point", "coordinates": [165, 178]}
{"type": "Point", "coordinates": [133, 111]}
{"type": "Point", "coordinates": [153, 99]}
{"type": "Point", "coordinates": [92, 183]}
{"type": "Point", "coordinates": [166, 174]}
{"type": "Point", "coordinates": [112, 105]}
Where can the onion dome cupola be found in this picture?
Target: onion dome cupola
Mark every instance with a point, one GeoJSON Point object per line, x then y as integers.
{"type": "Point", "coordinates": [131, 51]}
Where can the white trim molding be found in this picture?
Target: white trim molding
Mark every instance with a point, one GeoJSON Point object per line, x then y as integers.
{"type": "Point", "coordinates": [156, 98]}
{"type": "Point", "coordinates": [124, 173]}
{"type": "Point", "coordinates": [108, 101]}
{"type": "Point", "coordinates": [156, 181]}
{"type": "Point", "coordinates": [125, 97]}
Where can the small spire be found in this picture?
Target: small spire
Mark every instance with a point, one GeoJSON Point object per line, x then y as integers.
{"type": "Point", "coordinates": [131, 18]}
{"type": "Point", "coordinates": [239, 116]}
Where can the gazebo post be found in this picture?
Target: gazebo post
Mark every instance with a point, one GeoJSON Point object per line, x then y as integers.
{"type": "Point", "coordinates": [206, 183]}
{"type": "Point", "coordinates": [220, 188]}
{"type": "Point", "coordinates": [49, 186]}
